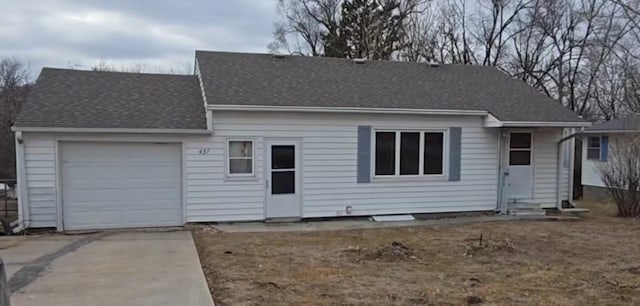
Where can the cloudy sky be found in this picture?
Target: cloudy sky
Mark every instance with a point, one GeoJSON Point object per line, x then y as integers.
{"type": "Point", "coordinates": [154, 33]}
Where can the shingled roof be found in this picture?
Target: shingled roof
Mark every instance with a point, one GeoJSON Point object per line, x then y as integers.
{"type": "Point", "coordinates": [264, 80]}
{"type": "Point", "coordinates": [628, 123]}
{"type": "Point", "coordinates": [65, 98]}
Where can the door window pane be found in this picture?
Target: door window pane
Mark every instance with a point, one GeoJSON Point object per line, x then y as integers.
{"type": "Point", "coordinates": [520, 140]}
{"type": "Point", "coordinates": [433, 153]}
{"type": "Point", "coordinates": [520, 158]}
{"type": "Point", "coordinates": [409, 153]}
{"type": "Point", "coordinates": [283, 157]}
{"type": "Point", "coordinates": [283, 182]}
{"type": "Point", "coordinates": [385, 153]}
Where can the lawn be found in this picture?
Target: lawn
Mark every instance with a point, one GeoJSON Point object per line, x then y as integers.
{"type": "Point", "coordinates": [592, 261]}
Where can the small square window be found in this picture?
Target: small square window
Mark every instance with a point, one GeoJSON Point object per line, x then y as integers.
{"type": "Point", "coordinates": [240, 157]}
{"type": "Point", "coordinates": [593, 148]}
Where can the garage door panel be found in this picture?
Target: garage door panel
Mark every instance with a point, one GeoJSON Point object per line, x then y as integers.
{"type": "Point", "coordinates": [110, 185]}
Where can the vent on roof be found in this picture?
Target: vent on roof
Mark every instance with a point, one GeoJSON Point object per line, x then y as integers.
{"type": "Point", "coordinates": [359, 61]}
{"type": "Point", "coordinates": [278, 56]}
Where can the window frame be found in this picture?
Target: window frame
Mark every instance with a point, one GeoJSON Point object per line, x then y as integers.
{"type": "Point", "coordinates": [589, 147]}
{"type": "Point", "coordinates": [228, 158]}
{"type": "Point", "coordinates": [421, 161]}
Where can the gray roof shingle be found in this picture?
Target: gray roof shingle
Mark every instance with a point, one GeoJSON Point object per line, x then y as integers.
{"type": "Point", "coordinates": [90, 99]}
{"type": "Point", "coordinates": [261, 79]}
{"type": "Point", "coordinates": [627, 123]}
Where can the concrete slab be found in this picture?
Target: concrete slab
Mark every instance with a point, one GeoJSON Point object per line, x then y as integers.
{"type": "Point", "coordinates": [361, 223]}
{"type": "Point", "coordinates": [17, 251]}
{"type": "Point", "coordinates": [122, 268]}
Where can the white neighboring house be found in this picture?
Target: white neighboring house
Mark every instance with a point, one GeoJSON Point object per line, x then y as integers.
{"type": "Point", "coordinates": [254, 136]}
{"type": "Point", "coordinates": [596, 147]}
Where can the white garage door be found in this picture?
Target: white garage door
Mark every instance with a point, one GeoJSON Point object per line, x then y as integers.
{"type": "Point", "coordinates": [112, 185]}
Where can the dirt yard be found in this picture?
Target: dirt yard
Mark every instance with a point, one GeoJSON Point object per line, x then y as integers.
{"type": "Point", "coordinates": [594, 261]}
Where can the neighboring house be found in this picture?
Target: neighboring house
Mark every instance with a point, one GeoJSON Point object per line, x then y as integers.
{"type": "Point", "coordinates": [255, 136]}
{"type": "Point", "coordinates": [597, 144]}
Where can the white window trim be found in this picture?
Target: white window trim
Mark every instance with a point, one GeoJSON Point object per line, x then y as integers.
{"type": "Point", "coordinates": [599, 148]}
{"type": "Point", "coordinates": [228, 158]}
{"type": "Point", "coordinates": [397, 176]}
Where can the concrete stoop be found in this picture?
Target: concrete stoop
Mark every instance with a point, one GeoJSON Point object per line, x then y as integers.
{"type": "Point", "coordinates": [526, 209]}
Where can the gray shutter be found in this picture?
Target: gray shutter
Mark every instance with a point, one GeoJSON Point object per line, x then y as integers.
{"type": "Point", "coordinates": [364, 154]}
{"type": "Point", "coordinates": [455, 137]}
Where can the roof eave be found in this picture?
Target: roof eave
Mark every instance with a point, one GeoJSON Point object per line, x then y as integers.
{"type": "Point", "coordinates": [112, 130]}
{"type": "Point", "coordinates": [515, 124]}
{"type": "Point", "coordinates": [610, 131]}
{"type": "Point", "coordinates": [369, 110]}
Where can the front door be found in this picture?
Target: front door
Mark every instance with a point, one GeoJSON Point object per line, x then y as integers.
{"type": "Point", "coordinates": [520, 178]}
{"type": "Point", "coordinates": [283, 178]}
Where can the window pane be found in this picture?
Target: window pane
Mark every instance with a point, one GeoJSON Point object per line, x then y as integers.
{"type": "Point", "coordinates": [283, 182]}
{"type": "Point", "coordinates": [283, 157]}
{"type": "Point", "coordinates": [594, 142]}
{"type": "Point", "coordinates": [240, 166]}
{"type": "Point", "coordinates": [520, 158]}
{"type": "Point", "coordinates": [433, 159]}
{"type": "Point", "coordinates": [409, 153]}
{"type": "Point", "coordinates": [385, 153]}
{"type": "Point", "coordinates": [520, 140]}
{"type": "Point", "coordinates": [593, 153]}
{"type": "Point", "coordinates": [240, 149]}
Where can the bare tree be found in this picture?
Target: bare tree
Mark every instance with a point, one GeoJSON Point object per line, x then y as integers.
{"type": "Point", "coordinates": [621, 175]}
{"type": "Point", "coordinates": [307, 24]}
{"type": "Point", "coordinates": [14, 87]}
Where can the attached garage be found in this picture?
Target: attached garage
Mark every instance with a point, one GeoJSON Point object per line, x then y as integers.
{"type": "Point", "coordinates": [120, 185]}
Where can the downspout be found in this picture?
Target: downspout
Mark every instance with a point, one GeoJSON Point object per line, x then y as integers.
{"type": "Point", "coordinates": [21, 180]}
{"type": "Point", "coordinates": [501, 207]}
{"type": "Point", "coordinates": [572, 170]}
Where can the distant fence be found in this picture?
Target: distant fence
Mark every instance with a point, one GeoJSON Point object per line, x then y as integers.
{"type": "Point", "coordinates": [8, 200]}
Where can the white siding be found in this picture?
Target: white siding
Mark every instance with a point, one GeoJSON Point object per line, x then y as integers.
{"type": "Point", "coordinates": [545, 165]}
{"type": "Point", "coordinates": [590, 171]}
{"type": "Point", "coordinates": [329, 161]}
{"type": "Point", "coordinates": [41, 180]}
{"type": "Point", "coordinates": [329, 157]}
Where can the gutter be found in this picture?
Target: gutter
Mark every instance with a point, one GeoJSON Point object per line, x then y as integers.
{"type": "Point", "coordinates": [368, 110]}
{"type": "Point", "coordinates": [609, 131]}
{"type": "Point", "coordinates": [111, 130]}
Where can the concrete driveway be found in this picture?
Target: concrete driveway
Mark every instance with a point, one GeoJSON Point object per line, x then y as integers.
{"type": "Point", "coordinates": [111, 268]}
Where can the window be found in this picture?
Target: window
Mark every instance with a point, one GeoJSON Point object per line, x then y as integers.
{"type": "Point", "coordinates": [409, 153]}
{"type": "Point", "coordinates": [240, 157]}
{"type": "Point", "coordinates": [593, 148]}
{"type": "Point", "coordinates": [519, 149]}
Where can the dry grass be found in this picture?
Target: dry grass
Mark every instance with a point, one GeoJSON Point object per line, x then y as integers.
{"type": "Point", "coordinates": [594, 261]}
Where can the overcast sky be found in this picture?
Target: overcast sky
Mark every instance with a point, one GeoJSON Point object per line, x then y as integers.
{"type": "Point", "coordinates": [158, 33]}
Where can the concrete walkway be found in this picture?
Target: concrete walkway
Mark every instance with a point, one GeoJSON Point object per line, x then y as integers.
{"type": "Point", "coordinates": [111, 268]}
{"type": "Point", "coordinates": [364, 223]}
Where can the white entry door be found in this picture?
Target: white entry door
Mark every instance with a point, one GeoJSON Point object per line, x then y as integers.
{"type": "Point", "coordinates": [520, 178]}
{"type": "Point", "coordinates": [283, 178]}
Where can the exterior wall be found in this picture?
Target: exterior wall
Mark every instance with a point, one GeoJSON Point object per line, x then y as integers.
{"type": "Point", "coordinates": [590, 172]}
{"type": "Point", "coordinates": [328, 165]}
{"type": "Point", "coordinates": [596, 194]}
{"type": "Point", "coordinates": [545, 180]}
{"type": "Point", "coordinates": [41, 180]}
{"type": "Point", "coordinates": [329, 157]}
